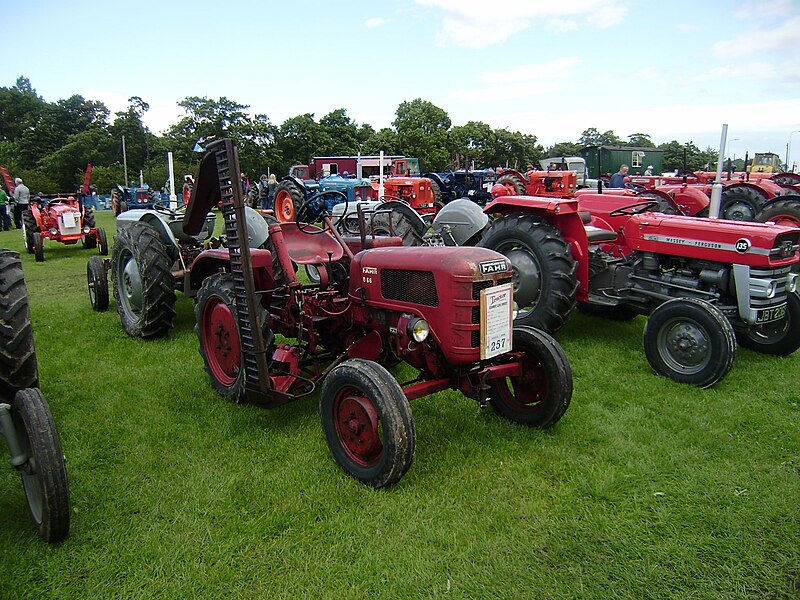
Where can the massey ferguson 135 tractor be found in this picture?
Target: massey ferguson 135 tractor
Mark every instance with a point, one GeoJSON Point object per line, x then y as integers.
{"type": "Point", "coordinates": [705, 283]}
{"type": "Point", "coordinates": [25, 419]}
{"type": "Point", "coordinates": [268, 338]}
{"type": "Point", "coordinates": [63, 220]}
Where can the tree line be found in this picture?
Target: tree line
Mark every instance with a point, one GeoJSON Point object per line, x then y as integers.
{"type": "Point", "coordinates": [50, 143]}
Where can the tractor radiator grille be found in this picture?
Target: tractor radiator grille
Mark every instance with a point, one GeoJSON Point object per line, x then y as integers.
{"type": "Point", "coordinates": [779, 276]}
{"type": "Point", "coordinates": [417, 287]}
{"type": "Point", "coordinates": [476, 310]}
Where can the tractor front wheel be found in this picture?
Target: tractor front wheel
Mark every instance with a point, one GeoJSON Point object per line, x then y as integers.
{"type": "Point", "coordinates": [690, 341]}
{"type": "Point", "coordinates": [88, 240]}
{"type": "Point", "coordinates": [540, 395]}
{"type": "Point", "coordinates": [367, 422]}
{"type": "Point", "coordinates": [18, 368]}
{"type": "Point", "coordinates": [544, 277]}
{"type": "Point", "coordinates": [44, 474]}
{"type": "Point", "coordinates": [98, 284]}
{"type": "Point", "coordinates": [38, 247]}
{"type": "Point", "coordinates": [779, 338]}
{"type": "Point", "coordinates": [102, 242]}
{"type": "Point", "coordinates": [143, 284]}
{"type": "Point", "coordinates": [287, 199]}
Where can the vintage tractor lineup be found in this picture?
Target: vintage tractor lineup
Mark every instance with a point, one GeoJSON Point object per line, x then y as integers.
{"type": "Point", "coordinates": [347, 277]}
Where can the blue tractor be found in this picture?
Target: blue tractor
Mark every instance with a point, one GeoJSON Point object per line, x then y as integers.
{"type": "Point", "coordinates": [293, 191]}
{"type": "Point", "coordinates": [133, 197]}
{"type": "Point", "coordinates": [475, 185]}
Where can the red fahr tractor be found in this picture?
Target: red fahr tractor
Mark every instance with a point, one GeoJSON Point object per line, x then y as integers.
{"type": "Point", "coordinates": [63, 220]}
{"type": "Point", "coordinates": [269, 338]}
{"type": "Point", "coordinates": [705, 283]}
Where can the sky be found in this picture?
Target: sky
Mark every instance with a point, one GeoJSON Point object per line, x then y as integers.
{"type": "Point", "coordinates": [674, 70]}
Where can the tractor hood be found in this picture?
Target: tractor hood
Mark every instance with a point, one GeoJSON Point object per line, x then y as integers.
{"type": "Point", "coordinates": [754, 244]}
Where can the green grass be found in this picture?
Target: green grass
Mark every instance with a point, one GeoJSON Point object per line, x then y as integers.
{"type": "Point", "coordinates": [645, 489]}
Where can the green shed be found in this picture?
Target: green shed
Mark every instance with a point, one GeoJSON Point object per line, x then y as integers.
{"type": "Point", "coordinates": [606, 160]}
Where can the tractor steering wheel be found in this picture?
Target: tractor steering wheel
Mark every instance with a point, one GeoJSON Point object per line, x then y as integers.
{"type": "Point", "coordinates": [314, 209]}
{"type": "Point", "coordinates": [164, 209]}
{"type": "Point", "coordinates": [635, 209]}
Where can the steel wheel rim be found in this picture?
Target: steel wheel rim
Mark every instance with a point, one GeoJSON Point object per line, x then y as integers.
{"type": "Point", "coordinates": [221, 341]}
{"type": "Point", "coordinates": [30, 479]}
{"type": "Point", "coordinates": [526, 392]}
{"type": "Point", "coordinates": [131, 290]}
{"type": "Point", "coordinates": [739, 211]}
{"type": "Point", "coordinates": [284, 206]}
{"type": "Point", "coordinates": [526, 276]}
{"type": "Point", "coordinates": [357, 426]}
{"type": "Point", "coordinates": [684, 346]}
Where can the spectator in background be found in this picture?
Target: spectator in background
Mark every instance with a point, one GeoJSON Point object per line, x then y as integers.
{"type": "Point", "coordinates": [263, 191]}
{"type": "Point", "coordinates": [5, 219]}
{"type": "Point", "coordinates": [618, 178]}
{"type": "Point", "coordinates": [648, 171]}
{"type": "Point", "coordinates": [272, 185]}
{"type": "Point", "coordinates": [22, 197]}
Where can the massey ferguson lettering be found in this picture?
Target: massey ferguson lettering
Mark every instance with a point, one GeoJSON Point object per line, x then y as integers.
{"type": "Point", "coordinates": [684, 241]}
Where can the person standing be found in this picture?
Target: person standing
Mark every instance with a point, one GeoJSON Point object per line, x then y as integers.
{"type": "Point", "coordinates": [648, 171]}
{"type": "Point", "coordinates": [22, 197]}
{"type": "Point", "coordinates": [272, 185]}
{"type": "Point", "coordinates": [5, 219]}
{"type": "Point", "coordinates": [263, 191]}
{"type": "Point", "coordinates": [618, 178]}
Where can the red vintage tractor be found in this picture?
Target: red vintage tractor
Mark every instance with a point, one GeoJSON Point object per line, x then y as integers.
{"type": "Point", "coordinates": [705, 283]}
{"type": "Point", "coordinates": [546, 184]}
{"type": "Point", "coordinates": [63, 220]}
{"type": "Point", "coordinates": [268, 338]}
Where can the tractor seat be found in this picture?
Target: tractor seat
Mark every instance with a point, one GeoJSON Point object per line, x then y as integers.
{"type": "Point", "coordinates": [595, 235]}
{"type": "Point", "coordinates": [310, 249]}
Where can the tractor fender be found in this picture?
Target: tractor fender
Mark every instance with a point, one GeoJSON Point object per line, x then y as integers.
{"type": "Point", "coordinates": [690, 200]}
{"type": "Point", "coordinates": [212, 261]}
{"type": "Point", "coordinates": [515, 173]}
{"type": "Point", "coordinates": [788, 198]}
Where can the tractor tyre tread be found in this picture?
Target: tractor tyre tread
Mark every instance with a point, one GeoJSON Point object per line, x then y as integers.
{"type": "Point", "coordinates": [18, 368]}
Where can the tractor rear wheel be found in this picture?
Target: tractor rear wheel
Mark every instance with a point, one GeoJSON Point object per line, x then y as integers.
{"type": "Point", "coordinates": [513, 183]}
{"type": "Point", "coordinates": [396, 222]}
{"type": "Point", "coordinates": [88, 240]}
{"type": "Point", "coordinates": [38, 247]}
{"type": "Point", "coordinates": [367, 422]}
{"type": "Point", "coordinates": [287, 198]}
{"type": "Point", "coordinates": [18, 368]}
{"type": "Point", "coordinates": [740, 203]}
{"type": "Point", "coordinates": [217, 330]}
{"type": "Point", "coordinates": [783, 212]}
{"type": "Point", "coordinates": [690, 341]}
{"type": "Point", "coordinates": [545, 281]}
{"type": "Point", "coordinates": [102, 242]}
{"type": "Point", "coordinates": [541, 394]}
{"type": "Point", "coordinates": [44, 474]}
{"type": "Point", "coordinates": [98, 284]}
{"type": "Point", "coordinates": [143, 284]}
{"type": "Point", "coordinates": [780, 338]}
{"type": "Point", "coordinates": [29, 227]}
{"type": "Point", "coordinates": [437, 195]}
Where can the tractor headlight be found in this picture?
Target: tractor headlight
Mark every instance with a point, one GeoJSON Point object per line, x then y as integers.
{"type": "Point", "coordinates": [418, 330]}
{"type": "Point", "coordinates": [86, 230]}
{"type": "Point", "coordinates": [514, 311]}
{"type": "Point", "coordinates": [771, 287]}
{"type": "Point", "coordinates": [53, 231]}
{"type": "Point", "coordinates": [791, 282]}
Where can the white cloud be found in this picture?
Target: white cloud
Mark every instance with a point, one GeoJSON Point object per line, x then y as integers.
{"type": "Point", "coordinates": [764, 10]}
{"type": "Point", "coordinates": [555, 69]}
{"type": "Point", "coordinates": [468, 23]}
{"type": "Point", "coordinates": [782, 38]}
{"type": "Point", "coordinates": [374, 22]}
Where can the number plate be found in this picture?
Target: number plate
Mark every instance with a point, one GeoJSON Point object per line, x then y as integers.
{"type": "Point", "coordinates": [69, 219]}
{"type": "Point", "coordinates": [496, 320]}
{"type": "Point", "coordinates": [768, 315]}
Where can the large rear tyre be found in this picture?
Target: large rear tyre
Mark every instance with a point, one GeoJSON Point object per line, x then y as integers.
{"type": "Point", "coordinates": [29, 227]}
{"type": "Point", "coordinates": [38, 247]}
{"type": "Point", "coordinates": [780, 338]}
{"type": "Point", "coordinates": [740, 204]}
{"type": "Point", "coordinates": [783, 212]}
{"type": "Point", "coordinates": [541, 394]}
{"type": "Point", "coordinates": [18, 367]}
{"type": "Point", "coordinates": [287, 198]}
{"type": "Point", "coordinates": [98, 284]}
{"type": "Point", "coordinates": [217, 330]}
{"type": "Point", "coordinates": [545, 283]}
{"type": "Point", "coordinates": [44, 474]}
{"type": "Point", "coordinates": [399, 220]}
{"type": "Point", "coordinates": [690, 341]}
{"type": "Point", "coordinates": [143, 284]}
{"type": "Point", "coordinates": [367, 422]}
{"type": "Point", "coordinates": [513, 183]}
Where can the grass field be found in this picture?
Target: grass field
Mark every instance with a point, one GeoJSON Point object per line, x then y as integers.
{"type": "Point", "coordinates": [645, 489]}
